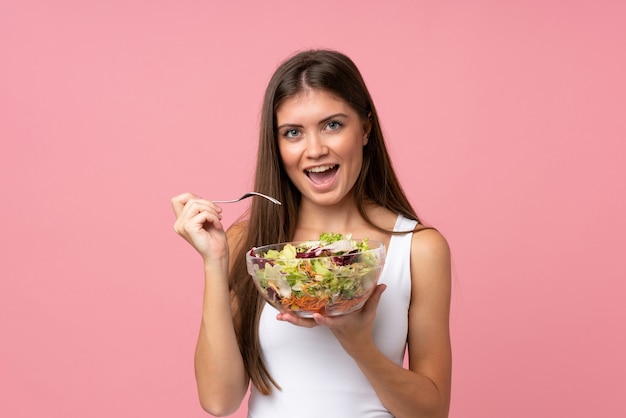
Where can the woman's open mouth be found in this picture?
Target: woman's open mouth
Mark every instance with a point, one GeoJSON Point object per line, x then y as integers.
{"type": "Point", "coordinates": [321, 174]}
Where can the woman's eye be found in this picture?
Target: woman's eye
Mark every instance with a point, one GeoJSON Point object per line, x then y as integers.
{"type": "Point", "coordinates": [290, 133]}
{"type": "Point", "coordinates": [334, 125]}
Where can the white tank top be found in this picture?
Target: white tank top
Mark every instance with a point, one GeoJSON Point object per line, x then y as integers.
{"type": "Point", "coordinates": [317, 377]}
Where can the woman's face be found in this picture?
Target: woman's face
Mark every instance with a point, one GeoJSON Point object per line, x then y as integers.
{"type": "Point", "coordinates": [320, 140]}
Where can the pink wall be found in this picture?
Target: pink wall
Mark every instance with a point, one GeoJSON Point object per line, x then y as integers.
{"type": "Point", "coordinates": [506, 121]}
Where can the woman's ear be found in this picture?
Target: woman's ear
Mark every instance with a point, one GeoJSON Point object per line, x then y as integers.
{"type": "Point", "coordinates": [367, 128]}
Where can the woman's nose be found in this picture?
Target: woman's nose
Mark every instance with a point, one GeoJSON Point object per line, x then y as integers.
{"type": "Point", "coordinates": [315, 146]}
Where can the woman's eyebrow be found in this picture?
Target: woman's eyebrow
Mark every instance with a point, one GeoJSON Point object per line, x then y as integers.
{"type": "Point", "coordinates": [331, 117]}
{"type": "Point", "coordinates": [289, 125]}
{"type": "Point", "coordinates": [326, 119]}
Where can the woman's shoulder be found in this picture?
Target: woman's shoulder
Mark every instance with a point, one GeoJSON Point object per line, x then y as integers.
{"type": "Point", "coordinates": [237, 229]}
{"type": "Point", "coordinates": [430, 251]}
{"type": "Point", "coordinates": [236, 235]}
{"type": "Point", "coordinates": [428, 240]}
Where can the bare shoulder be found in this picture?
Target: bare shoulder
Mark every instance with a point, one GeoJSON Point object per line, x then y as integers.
{"type": "Point", "coordinates": [429, 245]}
{"type": "Point", "coordinates": [430, 259]}
{"type": "Point", "coordinates": [236, 233]}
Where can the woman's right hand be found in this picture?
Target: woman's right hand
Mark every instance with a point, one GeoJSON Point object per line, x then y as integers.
{"type": "Point", "coordinates": [198, 222]}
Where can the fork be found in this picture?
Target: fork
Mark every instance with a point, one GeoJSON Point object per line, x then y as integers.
{"type": "Point", "coordinates": [247, 195]}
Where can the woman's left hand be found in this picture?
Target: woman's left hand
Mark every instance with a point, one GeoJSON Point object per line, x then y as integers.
{"type": "Point", "coordinates": [353, 331]}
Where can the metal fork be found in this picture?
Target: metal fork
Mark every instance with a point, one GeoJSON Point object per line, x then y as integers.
{"type": "Point", "coordinates": [247, 195]}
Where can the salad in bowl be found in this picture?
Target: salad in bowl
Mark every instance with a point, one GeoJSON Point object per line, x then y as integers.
{"type": "Point", "coordinates": [334, 275]}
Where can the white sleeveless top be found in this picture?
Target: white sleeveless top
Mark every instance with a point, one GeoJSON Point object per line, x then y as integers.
{"type": "Point", "coordinates": [317, 377]}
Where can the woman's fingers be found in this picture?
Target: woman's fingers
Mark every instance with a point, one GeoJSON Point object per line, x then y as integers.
{"type": "Point", "coordinates": [296, 320]}
{"type": "Point", "coordinates": [193, 207]}
{"type": "Point", "coordinates": [185, 202]}
{"type": "Point", "coordinates": [198, 221]}
{"type": "Point", "coordinates": [204, 220]}
{"type": "Point", "coordinates": [179, 201]}
{"type": "Point", "coordinates": [186, 206]}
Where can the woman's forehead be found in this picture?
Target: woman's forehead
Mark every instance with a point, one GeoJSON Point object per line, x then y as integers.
{"type": "Point", "coordinates": [312, 103]}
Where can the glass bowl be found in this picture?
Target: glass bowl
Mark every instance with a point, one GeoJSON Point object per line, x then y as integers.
{"type": "Point", "coordinates": [306, 277]}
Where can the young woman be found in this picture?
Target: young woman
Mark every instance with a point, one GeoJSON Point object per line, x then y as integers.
{"type": "Point", "coordinates": [322, 154]}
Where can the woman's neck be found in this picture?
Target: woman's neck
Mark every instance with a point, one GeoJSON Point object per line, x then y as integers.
{"type": "Point", "coordinates": [342, 218]}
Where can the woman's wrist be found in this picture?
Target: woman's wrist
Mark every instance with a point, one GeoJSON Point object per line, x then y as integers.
{"type": "Point", "coordinates": [215, 266]}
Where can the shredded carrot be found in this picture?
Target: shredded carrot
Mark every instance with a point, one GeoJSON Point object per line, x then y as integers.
{"type": "Point", "coordinates": [318, 304]}
{"type": "Point", "coordinates": [313, 302]}
{"type": "Point", "coordinates": [308, 268]}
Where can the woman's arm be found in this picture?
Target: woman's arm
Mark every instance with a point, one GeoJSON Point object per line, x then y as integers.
{"type": "Point", "coordinates": [424, 389]}
{"type": "Point", "coordinates": [221, 378]}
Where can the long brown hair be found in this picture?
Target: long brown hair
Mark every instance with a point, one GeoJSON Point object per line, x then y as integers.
{"type": "Point", "coordinates": [335, 73]}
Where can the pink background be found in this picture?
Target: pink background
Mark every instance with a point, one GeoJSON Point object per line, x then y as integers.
{"type": "Point", "coordinates": [506, 122]}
